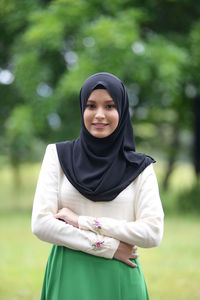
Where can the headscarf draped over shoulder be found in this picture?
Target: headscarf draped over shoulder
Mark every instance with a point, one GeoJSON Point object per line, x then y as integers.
{"type": "Point", "coordinates": [100, 168]}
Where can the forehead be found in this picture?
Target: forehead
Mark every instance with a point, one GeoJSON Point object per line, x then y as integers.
{"type": "Point", "coordinates": [100, 95]}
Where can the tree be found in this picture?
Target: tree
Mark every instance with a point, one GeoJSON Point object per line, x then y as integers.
{"type": "Point", "coordinates": [51, 47]}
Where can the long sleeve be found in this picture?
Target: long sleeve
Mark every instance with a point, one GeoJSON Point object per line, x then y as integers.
{"type": "Point", "coordinates": [54, 231]}
{"type": "Point", "coordinates": [147, 229]}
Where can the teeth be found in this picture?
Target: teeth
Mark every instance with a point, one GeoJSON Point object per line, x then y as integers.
{"type": "Point", "coordinates": [100, 125]}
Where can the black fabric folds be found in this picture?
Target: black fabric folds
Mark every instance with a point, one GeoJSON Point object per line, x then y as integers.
{"type": "Point", "coordinates": [100, 168]}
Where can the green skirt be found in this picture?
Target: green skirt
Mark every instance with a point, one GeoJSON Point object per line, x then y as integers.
{"type": "Point", "coordinates": [74, 275]}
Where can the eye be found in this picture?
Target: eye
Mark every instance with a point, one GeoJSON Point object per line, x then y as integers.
{"type": "Point", "coordinates": [110, 106]}
{"type": "Point", "coordinates": [90, 106]}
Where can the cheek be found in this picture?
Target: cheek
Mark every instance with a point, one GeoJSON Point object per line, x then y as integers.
{"type": "Point", "coordinates": [86, 117]}
{"type": "Point", "coordinates": [115, 119]}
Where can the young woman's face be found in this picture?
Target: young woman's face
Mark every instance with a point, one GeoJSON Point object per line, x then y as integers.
{"type": "Point", "coordinates": [100, 115]}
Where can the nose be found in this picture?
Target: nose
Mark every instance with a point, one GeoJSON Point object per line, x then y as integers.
{"type": "Point", "coordinates": [100, 114]}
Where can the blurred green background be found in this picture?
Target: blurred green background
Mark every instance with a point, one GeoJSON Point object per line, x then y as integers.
{"type": "Point", "coordinates": [47, 50]}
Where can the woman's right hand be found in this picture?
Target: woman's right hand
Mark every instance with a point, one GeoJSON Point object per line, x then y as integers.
{"type": "Point", "coordinates": [125, 252]}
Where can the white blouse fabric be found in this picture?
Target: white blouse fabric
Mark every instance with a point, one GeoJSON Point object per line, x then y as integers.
{"type": "Point", "coordinates": [135, 216]}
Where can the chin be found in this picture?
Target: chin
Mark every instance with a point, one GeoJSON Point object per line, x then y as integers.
{"type": "Point", "coordinates": [99, 135]}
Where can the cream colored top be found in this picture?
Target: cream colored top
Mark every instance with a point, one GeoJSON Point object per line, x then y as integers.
{"type": "Point", "coordinates": [135, 216]}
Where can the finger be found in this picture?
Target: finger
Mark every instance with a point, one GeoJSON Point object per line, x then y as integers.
{"type": "Point", "coordinates": [134, 256]}
{"type": "Point", "coordinates": [130, 263]}
{"type": "Point", "coordinates": [58, 215]}
{"type": "Point", "coordinates": [134, 248]}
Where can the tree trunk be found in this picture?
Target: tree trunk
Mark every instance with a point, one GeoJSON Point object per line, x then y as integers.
{"type": "Point", "coordinates": [16, 177]}
{"type": "Point", "coordinates": [197, 136]}
{"type": "Point", "coordinates": [172, 157]}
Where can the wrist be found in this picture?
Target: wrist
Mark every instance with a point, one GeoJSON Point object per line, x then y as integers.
{"type": "Point", "coordinates": [76, 224]}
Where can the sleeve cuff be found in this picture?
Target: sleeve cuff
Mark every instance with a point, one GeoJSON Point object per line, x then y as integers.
{"type": "Point", "coordinates": [104, 246]}
{"type": "Point", "coordinates": [109, 246]}
{"type": "Point", "coordinates": [86, 223]}
{"type": "Point", "coordinates": [113, 249]}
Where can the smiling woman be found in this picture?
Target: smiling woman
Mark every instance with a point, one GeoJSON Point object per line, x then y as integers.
{"type": "Point", "coordinates": [106, 194]}
{"type": "Point", "coordinates": [100, 115]}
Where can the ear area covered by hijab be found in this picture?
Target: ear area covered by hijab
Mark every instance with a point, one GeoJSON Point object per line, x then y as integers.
{"type": "Point", "coordinates": [100, 168]}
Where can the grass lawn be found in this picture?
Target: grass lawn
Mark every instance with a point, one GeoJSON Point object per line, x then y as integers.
{"type": "Point", "coordinates": [22, 258]}
{"type": "Point", "coordinates": [171, 270]}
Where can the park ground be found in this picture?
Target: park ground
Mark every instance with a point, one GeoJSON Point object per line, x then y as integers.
{"type": "Point", "coordinates": [171, 270]}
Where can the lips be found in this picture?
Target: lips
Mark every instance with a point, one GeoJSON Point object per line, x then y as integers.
{"type": "Point", "coordinates": [99, 125]}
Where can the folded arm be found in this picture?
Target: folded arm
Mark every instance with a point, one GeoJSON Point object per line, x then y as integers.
{"type": "Point", "coordinates": [49, 229]}
{"type": "Point", "coordinates": [147, 229]}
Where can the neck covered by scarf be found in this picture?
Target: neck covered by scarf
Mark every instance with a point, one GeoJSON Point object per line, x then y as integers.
{"type": "Point", "coordinates": [100, 168]}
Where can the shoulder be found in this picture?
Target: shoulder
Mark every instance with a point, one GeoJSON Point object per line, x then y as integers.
{"type": "Point", "coordinates": [148, 174]}
{"type": "Point", "coordinates": [57, 151]}
{"type": "Point", "coordinates": [51, 153]}
{"type": "Point", "coordinates": [50, 149]}
{"type": "Point", "coordinates": [149, 170]}
{"type": "Point", "coordinates": [53, 147]}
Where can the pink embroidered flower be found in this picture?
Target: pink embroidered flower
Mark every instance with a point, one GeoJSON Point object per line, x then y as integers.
{"type": "Point", "coordinates": [97, 245]}
{"type": "Point", "coordinates": [97, 225]}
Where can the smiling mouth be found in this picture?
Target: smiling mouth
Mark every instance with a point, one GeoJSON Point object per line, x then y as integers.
{"type": "Point", "coordinates": [99, 125]}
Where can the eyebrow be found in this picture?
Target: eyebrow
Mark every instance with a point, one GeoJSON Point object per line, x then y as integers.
{"type": "Point", "coordinates": [91, 100]}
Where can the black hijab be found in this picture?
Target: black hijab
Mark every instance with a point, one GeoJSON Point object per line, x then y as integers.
{"type": "Point", "coordinates": [100, 168]}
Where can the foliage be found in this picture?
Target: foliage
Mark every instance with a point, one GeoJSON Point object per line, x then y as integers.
{"type": "Point", "coordinates": [20, 132]}
{"type": "Point", "coordinates": [48, 49]}
{"type": "Point", "coordinates": [21, 197]}
{"type": "Point", "coordinates": [188, 200]}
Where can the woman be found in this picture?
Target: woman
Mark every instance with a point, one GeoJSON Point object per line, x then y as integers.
{"type": "Point", "coordinates": [96, 201]}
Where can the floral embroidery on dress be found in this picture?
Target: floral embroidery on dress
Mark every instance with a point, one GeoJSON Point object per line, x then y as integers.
{"type": "Point", "coordinates": [96, 246]}
{"type": "Point", "coordinates": [97, 225]}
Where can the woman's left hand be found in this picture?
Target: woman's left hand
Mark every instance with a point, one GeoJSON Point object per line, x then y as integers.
{"type": "Point", "coordinates": [68, 216]}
